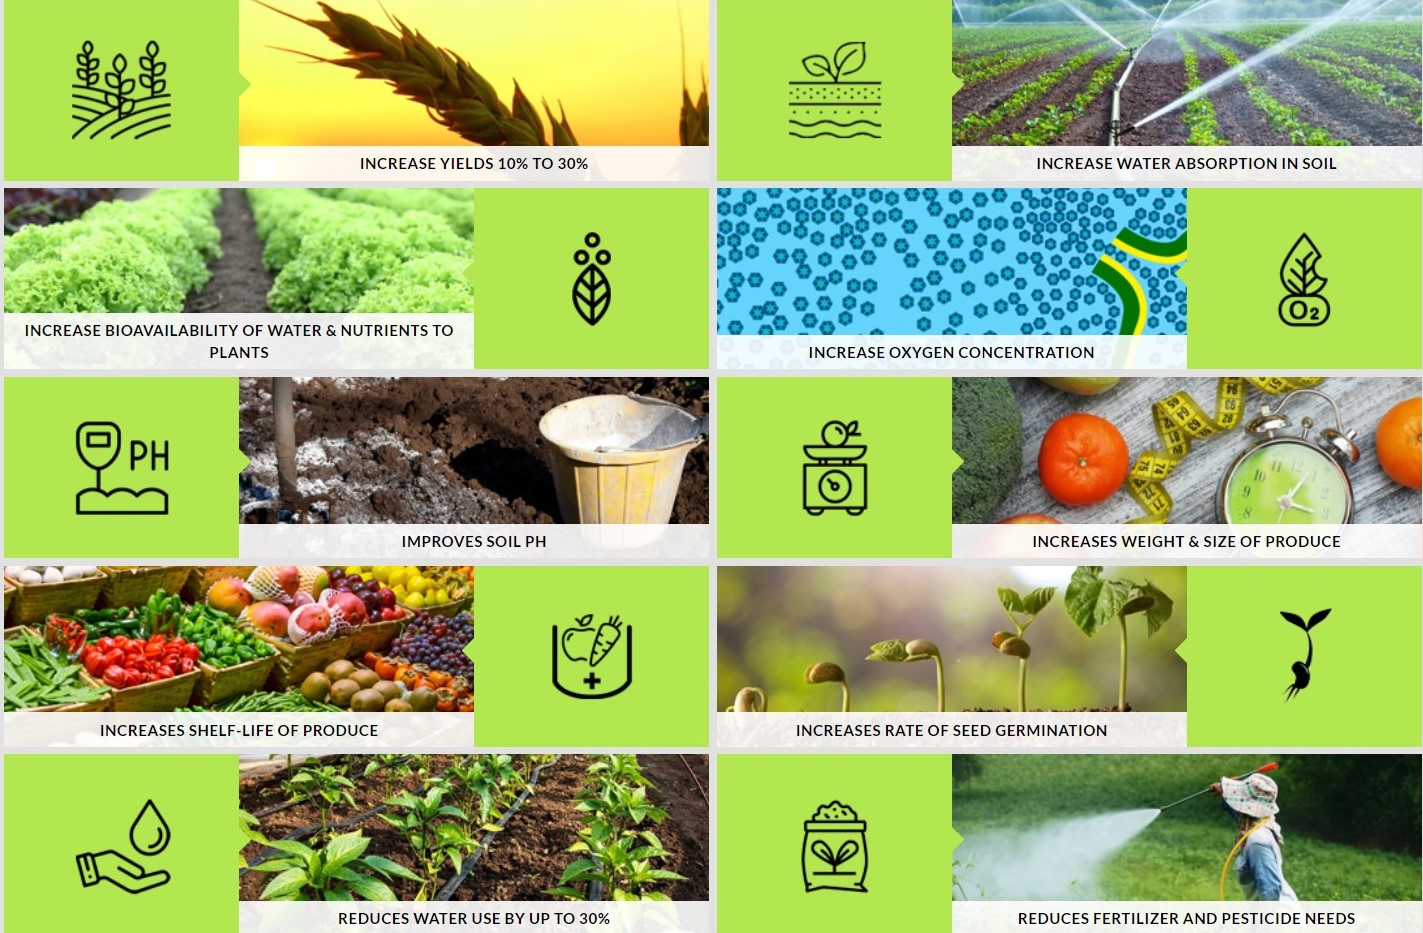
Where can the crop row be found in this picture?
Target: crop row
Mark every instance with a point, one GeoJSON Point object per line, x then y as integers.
{"type": "Point", "coordinates": [983, 40]}
{"type": "Point", "coordinates": [616, 851]}
{"type": "Point", "coordinates": [1389, 40]}
{"type": "Point", "coordinates": [1360, 76]}
{"type": "Point", "coordinates": [403, 250]}
{"type": "Point", "coordinates": [144, 255]}
{"type": "Point", "coordinates": [1200, 113]}
{"type": "Point", "coordinates": [991, 66]}
{"type": "Point", "coordinates": [1281, 118]}
{"type": "Point", "coordinates": [1051, 123]}
{"type": "Point", "coordinates": [973, 125]}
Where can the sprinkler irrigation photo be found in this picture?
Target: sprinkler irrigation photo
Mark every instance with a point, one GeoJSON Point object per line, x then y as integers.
{"type": "Point", "coordinates": [999, 639]}
{"type": "Point", "coordinates": [1187, 827]}
{"type": "Point", "coordinates": [580, 450]}
{"type": "Point", "coordinates": [1187, 72]}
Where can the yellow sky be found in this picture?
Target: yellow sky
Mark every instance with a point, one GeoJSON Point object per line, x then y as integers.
{"type": "Point", "coordinates": [615, 65]}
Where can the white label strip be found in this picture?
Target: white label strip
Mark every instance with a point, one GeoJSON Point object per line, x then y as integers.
{"type": "Point", "coordinates": [950, 731]}
{"type": "Point", "coordinates": [1197, 543]}
{"type": "Point", "coordinates": [1046, 353]}
{"type": "Point", "coordinates": [473, 166]}
{"type": "Point", "coordinates": [1154, 916]}
{"type": "Point", "coordinates": [240, 343]}
{"type": "Point", "coordinates": [224, 732]}
{"type": "Point", "coordinates": [513, 916]}
{"type": "Point", "coordinates": [444, 543]}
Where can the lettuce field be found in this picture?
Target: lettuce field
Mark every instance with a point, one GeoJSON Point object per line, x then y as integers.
{"type": "Point", "coordinates": [205, 250]}
{"type": "Point", "coordinates": [1038, 75]}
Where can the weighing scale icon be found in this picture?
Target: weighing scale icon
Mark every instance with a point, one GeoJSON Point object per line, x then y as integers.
{"type": "Point", "coordinates": [833, 480]}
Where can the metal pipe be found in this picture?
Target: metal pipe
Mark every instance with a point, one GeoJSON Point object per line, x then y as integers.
{"type": "Point", "coordinates": [1271, 766]}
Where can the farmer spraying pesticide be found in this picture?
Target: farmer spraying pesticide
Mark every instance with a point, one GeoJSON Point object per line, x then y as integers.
{"type": "Point", "coordinates": [1260, 866]}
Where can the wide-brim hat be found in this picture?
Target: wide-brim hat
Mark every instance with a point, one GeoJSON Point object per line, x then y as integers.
{"type": "Point", "coordinates": [1254, 796]}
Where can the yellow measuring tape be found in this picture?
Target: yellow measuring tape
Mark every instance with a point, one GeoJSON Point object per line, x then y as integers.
{"type": "Point", "coordinates": [1180, 419]}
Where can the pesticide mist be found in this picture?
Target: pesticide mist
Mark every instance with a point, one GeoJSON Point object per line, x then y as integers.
{"type": "Point", "coordinates": [1057, 861]}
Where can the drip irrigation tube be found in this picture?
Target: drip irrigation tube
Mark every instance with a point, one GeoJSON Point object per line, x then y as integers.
{"type": "Point", "coordinates": [297, 835]}
{"type": "Point", "coordinates": [688, 766]}
{"type": "Point", "coordinates": [453, 884]}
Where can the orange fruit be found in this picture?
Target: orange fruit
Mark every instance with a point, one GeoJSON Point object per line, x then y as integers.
{"type": "Point", "coordinates": [1083, 459]}
{"type": "Point", "coordinates": [1030, 518]}
{"type": "Point", "coordinates": [1398, 440]}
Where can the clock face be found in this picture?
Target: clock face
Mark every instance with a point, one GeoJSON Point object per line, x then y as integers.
{"type": "Point", "coordinates": [1286, 482]}
{"type": "Point", "coordinates": [834, 486]}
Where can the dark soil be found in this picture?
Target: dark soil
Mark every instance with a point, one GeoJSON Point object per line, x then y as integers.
{"type": "Point", "coordinates": [982, 98]}
{"type": "Point", "coordinates": [239, 282]}
{"type": "Point", "coordinates": [1158, 78]}
{"type": "Point", "coordinates": [422, 451]}
{"type": "Point", "coordinates": [1240, 121]}
{"type": "Point", "coordinates": [529, 856]}
{"type": "Point", "coordinates": [1062, 94]}
{"type": "Point", "coordinates": [1328, 106]}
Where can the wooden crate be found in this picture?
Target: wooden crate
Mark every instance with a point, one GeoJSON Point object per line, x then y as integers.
{"type": "Point", "coordinates": [159, 697]}
{"type": "Point", "coordinates": [35, 602]}
{"type": "Point", "coordinates": [131, 586]}
{"type": "Point", "coordinates": [295, 662]}
{"type": "Point", "coordinates": [201, 579]}
{"type": "Point", "coordinates": [224, 683]}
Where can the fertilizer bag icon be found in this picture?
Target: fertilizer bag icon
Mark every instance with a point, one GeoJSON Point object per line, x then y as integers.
{"type": "Point", "coordinates": [833, 856]}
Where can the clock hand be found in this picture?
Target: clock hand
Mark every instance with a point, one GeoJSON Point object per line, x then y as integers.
{"type": "Point", "coordinates": [1301, 508]}
{"type": "Point", "coordinates": [1291, 493]}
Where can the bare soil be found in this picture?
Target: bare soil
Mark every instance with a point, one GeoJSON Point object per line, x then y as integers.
{"type": "Point", "coordinates": [529, 856]}
{"type": "Point", "coordinates": [1094, 121]}
{"type": "Point", "coordinates": [239, 282]}
{"type": "Point", "coordinates": [422, 451]}
{"type": "Point", "coordinates": [1240, 121]}
{"type": "Point", "coordinates": [1158, 78]}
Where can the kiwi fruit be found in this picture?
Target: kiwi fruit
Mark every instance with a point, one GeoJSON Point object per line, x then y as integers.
{"type": "Point", "coordinates": [367, 701]}
{"type": "Point", "coordinates": [422, 699]}
{"type": "Point", "coordinates": [398, 706]}
{"type": "Point", "coordinates": [388, 689]}
{"type": "Point", "coordinates": [367, 679]}
{"type": "Point", "coordinates": [316, 687]}
{"type": "Point", "coordinates": [342, 692]}
{"type": "Point", "coordinates": [340, 670]}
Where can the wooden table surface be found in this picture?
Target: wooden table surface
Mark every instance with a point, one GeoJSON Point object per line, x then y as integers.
{"type": "Point", "coordinates": [1362, 402]}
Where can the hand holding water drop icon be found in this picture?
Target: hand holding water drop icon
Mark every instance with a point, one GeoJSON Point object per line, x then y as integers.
{"type": "Point", "coordinates": [149, 835]}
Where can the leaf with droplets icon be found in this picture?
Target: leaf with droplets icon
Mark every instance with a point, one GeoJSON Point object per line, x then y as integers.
{"type": "Point", "coordinates": [149, 832]}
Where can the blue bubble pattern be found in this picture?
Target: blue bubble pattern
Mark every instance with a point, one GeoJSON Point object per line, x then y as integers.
{"type": "Point", "coordinates": [966, 261]}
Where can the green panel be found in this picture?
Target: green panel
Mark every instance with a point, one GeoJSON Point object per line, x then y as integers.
{"type": "Point", "coordinates": [772, 58]}
{"type": "Point", "coordinates": [196, 61]}
{"type": "Point", "coordinates": [527, 243]}
{"type": "Point", "coordinates": [1363, 685]}
{"type": "Point", "coordinates": [61, 807]}
{"type": "Point", "coordinates": [766, 480]}
{"type": "Point", "coordinates": [44, 473]}
{"type": "Point", "coordinates": [662, 614]}
{"type": "Point", "coordinates": [905, 857]}
{"type": "Point", "coordinates": [1367, 242]}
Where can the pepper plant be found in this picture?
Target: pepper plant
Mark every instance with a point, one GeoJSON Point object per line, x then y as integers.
{"type": "Point", "coordinates": [325, 786]}
{"type": "Point", "coordinates": [420, 818]}
{"type": "Point", "coordinates": [1022, 612]}
{"type": "Point", "coordinates": [338, 871]}
{"type": "Point", "coordinates": [1093, 602]}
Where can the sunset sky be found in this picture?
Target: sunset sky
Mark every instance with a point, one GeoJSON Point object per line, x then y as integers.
{"type": "Point", "coordinates": [615, 65]}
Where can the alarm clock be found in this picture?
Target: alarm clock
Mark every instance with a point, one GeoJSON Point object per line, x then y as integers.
{"type": "Point", "coordinates": [1290, 479]}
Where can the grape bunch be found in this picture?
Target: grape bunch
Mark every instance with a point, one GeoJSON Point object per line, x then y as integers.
{"type": "Point", "coordinates": [379, 600]}
{"type": "Point", "coordinates": [437, 641]}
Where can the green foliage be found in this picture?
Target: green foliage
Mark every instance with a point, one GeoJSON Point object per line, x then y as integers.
{"type": "Point", "coordinates": [1200, 113]}
{"type": "Point", "coordinates": [326, 786]}
{"type": "Point", "coordinates": [140, 255]}
{"type": "Point", "coordinates": [973, 125]}
{"type": "Point", "coordinates": [988, 436]}
{"type": "Point", "coordinates": [618, 852]}
{"type": "Point", "coordinates": [435, 830]}
{"type": "Point", "coordinates": [1359, 799]}
{"type": "Point", "coordinates": [1050, 124]}
{"type": "Point", "coordinates": [1282, 119]}
{"type": "Point", "coordinates": [1092, 601]}
{"type": "Point", "coordinates": [337, 872]}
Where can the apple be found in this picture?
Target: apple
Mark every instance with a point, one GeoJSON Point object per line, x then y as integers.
{"type": "Point", "coordinates": [349, 605]}
{"type": "Point", "coordinates": [230, 595]}
{"type": "Point", "coordinates": [1081, 385]}
{"type": "Point", "coordinates": [1030, 518]}
{"type": "Point", "coordinates": [269, 617]}
{"type": "Point", "coordinates": [307, 622]}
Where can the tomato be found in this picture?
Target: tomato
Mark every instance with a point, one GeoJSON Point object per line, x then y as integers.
{"type": "Point", "coordinates": [192, 651]}
{"type": "Point", "coordinates": [121, 642]}
{"type": "Point", "coordinates": [93, 663]}
{"type": "Point", "coordinates": [186, 665]}
{"type": "Point", "coordinates": [163, 672]}
{"type": "Point", "coordinates": [105, 644]}
{"type": "Point", "coordinates": [115, 676]}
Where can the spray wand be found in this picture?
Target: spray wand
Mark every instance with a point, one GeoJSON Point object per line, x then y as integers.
{"type": "Point", "coordinates": [1270, 766]}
